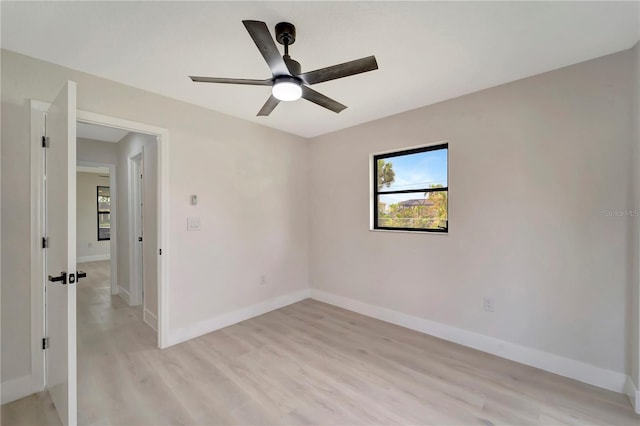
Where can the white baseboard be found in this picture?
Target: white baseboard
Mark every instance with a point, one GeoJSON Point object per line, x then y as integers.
{"type": "Point", "coordinates": [547, 361]}
{"type": "Point", "coordinates": [234, 317]}
{"type": "Point", "coordinates": [93, 258]}
{"type": "Point", "coordinates": [633, 393]}
{"type": "Point", "coordinates": [125, 295]}
{"type": "Point", "coordinates": [17, 388]}
{"type": "Point", "coordinates": [150, 319]}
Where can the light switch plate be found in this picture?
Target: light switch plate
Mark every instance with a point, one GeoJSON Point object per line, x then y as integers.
{"type": "Point", "coordinates": [193, 224]}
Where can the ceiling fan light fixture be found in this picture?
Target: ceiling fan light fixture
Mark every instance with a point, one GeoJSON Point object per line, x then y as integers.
{"type": "Point", "coordinates": [287, 88]}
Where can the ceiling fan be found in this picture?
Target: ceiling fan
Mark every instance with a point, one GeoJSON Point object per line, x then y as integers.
{"type": "Point", "coordinates": [289, 83]}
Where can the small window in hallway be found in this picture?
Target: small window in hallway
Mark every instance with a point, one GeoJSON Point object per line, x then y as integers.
{"type": "Point", "coordinates": [104, 213]}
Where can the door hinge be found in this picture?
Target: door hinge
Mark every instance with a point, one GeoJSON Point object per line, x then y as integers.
{"type": "Point", "coordinates": [45, 141]}
{"type": "Point", "coordinates": [45, 242]}
{"type": "Point", "coordinates": [45, 343]}
{"type": "Point", "coordinates": [160, 252]}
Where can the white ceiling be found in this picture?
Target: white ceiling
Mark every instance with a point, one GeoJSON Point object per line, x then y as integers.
{"type": "Point", "coordinates": [427, 51]}
{"type": "Point", "coordinates": [100, 133]}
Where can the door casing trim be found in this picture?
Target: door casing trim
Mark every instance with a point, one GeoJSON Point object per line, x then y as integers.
{"type": "Point", "coordinates": [38, 377]}
{"type": "Point", "coordinates": [162, 137]}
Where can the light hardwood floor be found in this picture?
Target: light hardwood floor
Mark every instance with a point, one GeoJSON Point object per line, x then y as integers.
{"type": "Point", "coordinates": [308, 363]}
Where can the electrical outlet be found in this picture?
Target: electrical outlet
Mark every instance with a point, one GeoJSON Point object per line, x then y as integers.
{"type": "Point", "coordinates": [263, 279]}
{"type": "Point", "coordinates": [489, 304]}
{"type": "Point", "coordinates": [193, 224]}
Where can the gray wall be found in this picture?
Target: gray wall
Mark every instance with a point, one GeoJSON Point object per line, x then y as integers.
{"type": "Point", "coordinates": [96, 151]}
{"type": "Point", "coordinates": [634, 252]}
{"type": "Point", "coordinates": [16, 290]}
{"type": "Point", "coordinates": [251, 180]}
{"type": "Point", "coordinates": [86, 216]}
{"type": "Point", "coordinates": [533, 165]}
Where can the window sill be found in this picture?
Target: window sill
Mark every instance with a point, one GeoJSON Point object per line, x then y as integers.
{"type": "Point", "coordinates": [404, 231]}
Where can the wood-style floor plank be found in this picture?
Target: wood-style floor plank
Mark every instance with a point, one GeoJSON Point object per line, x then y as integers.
{"type": "Point", "coordinates": [307, 364]}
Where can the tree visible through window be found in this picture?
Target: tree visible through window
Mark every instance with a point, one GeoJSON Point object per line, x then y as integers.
{"type": "Point", "coordinates": [104, 213]}
{"type": "Point", "coordinates": [411, 190]}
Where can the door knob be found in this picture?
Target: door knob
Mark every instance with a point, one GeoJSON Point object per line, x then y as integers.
{"type": "Point", "coordinates": [60, 278]}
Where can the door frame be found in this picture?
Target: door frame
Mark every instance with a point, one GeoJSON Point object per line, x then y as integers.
{"type": "Point", "coordinates": [38, 280]}
{"type": "Point", "coordinates": [37, 273]}
{"type": "Point", "coordinates": [136, 259]}
{"type": "Point", "coordinates": [162, 138]}
{"type": "Point", "coordinates": [113, 239]}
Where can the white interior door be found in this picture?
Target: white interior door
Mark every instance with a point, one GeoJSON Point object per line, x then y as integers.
{"type": "Point", "coordinates": [138, 243]}
{"type": "Point", "coordinates": [60, 213]}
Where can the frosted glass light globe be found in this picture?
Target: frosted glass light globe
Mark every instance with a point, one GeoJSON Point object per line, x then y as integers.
{"type": "Point", "coordinates": [287, 89]}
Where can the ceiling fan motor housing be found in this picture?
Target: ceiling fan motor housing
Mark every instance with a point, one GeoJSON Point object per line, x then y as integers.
{"type": "Point", "coordinates": [285, 33]}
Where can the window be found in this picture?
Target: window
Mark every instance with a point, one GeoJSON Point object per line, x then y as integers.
{"type": "Point", "coordinates": [410, 190]}
{"type": "Point", "coordinates": [104, 213]}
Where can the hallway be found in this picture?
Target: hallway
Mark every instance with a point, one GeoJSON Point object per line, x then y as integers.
{"type": "Point", "coordinates": [111, 334]}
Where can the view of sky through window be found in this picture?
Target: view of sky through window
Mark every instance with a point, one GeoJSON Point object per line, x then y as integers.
{"type": "Point", "coordinates": [416, 171]}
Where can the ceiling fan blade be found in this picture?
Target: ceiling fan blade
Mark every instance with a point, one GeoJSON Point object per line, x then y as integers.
{"type": "Point", "coordinates": [322, 100]}
{"type": "Point", "coordinates": [267, 82]}
{"type": "Point", "coordinates": [341, 70]}
{"type": "Point", "coordinates": [262, 38]}
{"type": "Point", "coordinates": [268, 106]}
